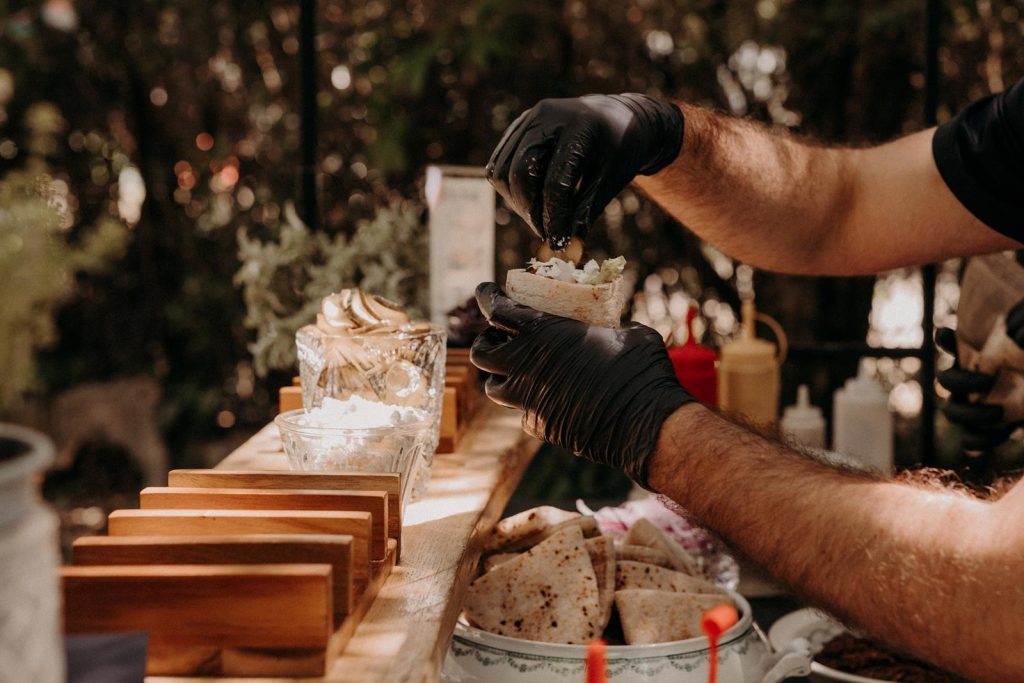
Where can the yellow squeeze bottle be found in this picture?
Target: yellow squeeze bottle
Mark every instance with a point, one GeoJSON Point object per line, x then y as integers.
{"type": "Point", "coordinates": [748, 371]}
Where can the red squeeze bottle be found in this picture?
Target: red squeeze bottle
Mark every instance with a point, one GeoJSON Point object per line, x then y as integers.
{"type": "Point", "coordinates": [596, 672]}
{"type": "Point", "coordinates": [695, 365]}
{"type": "Point", "coordinates": [714, 623]}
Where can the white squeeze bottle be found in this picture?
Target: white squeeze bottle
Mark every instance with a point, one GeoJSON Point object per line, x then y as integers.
{"type": "Point", "coordinates": [804, 423]}
{"type": "Point", "coordinates": [861, 422]}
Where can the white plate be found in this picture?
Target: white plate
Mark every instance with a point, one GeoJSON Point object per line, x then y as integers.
{"type": "Point", "coordinates": [817, 628]}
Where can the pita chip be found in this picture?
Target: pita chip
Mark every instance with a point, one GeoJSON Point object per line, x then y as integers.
{"type": "Point", "coordinates": [652, 616]}
{"type": "Point", "coordinates": [526, 524]}
{"type": "Point", "coordinates": [548, 594]}
{"type": "Point", "coordinates": [643, 532]}
{"type": "Point", "coordinates": [602, 556]}
{"type": "Point", "coordinates": [641, 553]}
{"type": "Point", "coordinates": [641, 575]}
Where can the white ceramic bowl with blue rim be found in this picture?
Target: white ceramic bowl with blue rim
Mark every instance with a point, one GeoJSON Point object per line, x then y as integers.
{"type": "Point", "coordinates": [744, 656]}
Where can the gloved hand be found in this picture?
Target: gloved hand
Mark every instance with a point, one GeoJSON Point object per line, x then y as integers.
{"type": "Point", "coordinates": [561, 162]}
{"type": "Point", "coordinates": [984, 425]}
{"type": "Point", "coordinates": [601, 393]}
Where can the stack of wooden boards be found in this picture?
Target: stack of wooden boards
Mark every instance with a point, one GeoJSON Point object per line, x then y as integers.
{"type": "Point", "coordinates": [240, 573]}
{"type": "Point", "coordinates": [462, 398]}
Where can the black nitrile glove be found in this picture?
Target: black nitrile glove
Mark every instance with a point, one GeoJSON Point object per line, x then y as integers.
{"type": "Point", "coordinates": [982, 423]}
{"type": "Point", "coordinates": [601, 393]}
{"type": "Point", "coordinates": [560, 163]}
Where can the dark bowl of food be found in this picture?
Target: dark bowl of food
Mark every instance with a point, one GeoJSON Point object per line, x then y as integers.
{"type": "Point", "coordinates": [840, 655]}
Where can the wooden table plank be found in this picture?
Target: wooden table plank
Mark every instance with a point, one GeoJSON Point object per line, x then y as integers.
{"type": "Point", "coordinates": [405, 635]}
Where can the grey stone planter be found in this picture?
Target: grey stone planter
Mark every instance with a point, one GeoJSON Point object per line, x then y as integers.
{"type": "Point", "coordinates": [31, 644]}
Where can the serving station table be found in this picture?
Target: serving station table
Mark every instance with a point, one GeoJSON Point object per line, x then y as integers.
{"type": "Point", "coordinates": [405, 633]}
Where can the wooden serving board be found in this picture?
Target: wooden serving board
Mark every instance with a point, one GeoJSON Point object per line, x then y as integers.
{"type": "Point", "coordinates": [226, 522]}
{"type": "Point", "coordinates": [335, 551]}
{"type": "Point", "coordinates": [181, 498]}
{"type": "Point", "coordinates": [284, 605]}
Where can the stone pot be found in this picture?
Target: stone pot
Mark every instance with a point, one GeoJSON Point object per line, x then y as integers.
{"type": "Point", "coordinates": [31, 642]}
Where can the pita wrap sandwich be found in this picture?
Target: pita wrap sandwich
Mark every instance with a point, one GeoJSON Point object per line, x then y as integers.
{"type": "Point", "coordinates": [549, 594]}
{"type": "Point", "coordinates": [643, 532]}
{"type": "Point", "coordinates": [641, 575]}
{"type": "Point", "coordinates": [652, 616]}
{"type": "Point", "coordinates": [595, 294]}
{"type": "Point", "coordinates": [602, 556]}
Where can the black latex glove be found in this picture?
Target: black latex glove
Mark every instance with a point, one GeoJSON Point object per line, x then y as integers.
{"type": "Point", "coordinates": [598, 392]}
{"type": "Point", "coordinates": [982, 423]}
{"type": "Point", "coordinates": [560, 163]}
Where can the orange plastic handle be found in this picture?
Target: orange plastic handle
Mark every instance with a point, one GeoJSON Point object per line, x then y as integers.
{"type": "Point", "coordinates": [596, 670]}
{"type": "Point", "coordinates": [714, 623]}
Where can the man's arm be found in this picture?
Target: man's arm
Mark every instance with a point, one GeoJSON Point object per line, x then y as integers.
{"type": "Point", "coordinates": [784, 204]}
{"type": "Point", "coordinates": [933, 571]}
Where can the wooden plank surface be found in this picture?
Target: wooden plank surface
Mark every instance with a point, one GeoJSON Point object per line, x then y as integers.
{"type": "Point", "coordinates": [250, 549]}
{"type": "Point", "coordinates": [406, 632]}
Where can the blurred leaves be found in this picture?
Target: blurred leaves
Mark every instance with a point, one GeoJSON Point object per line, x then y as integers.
{"type": "Point", "coordinates": [38, 262]}
{"type": "Point", "coordinates": [34, 276]}
{"type": "Point", "coordinates": [283, 280]}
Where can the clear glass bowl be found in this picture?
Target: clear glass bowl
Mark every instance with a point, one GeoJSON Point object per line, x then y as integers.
{"type": "Point", "coordinates": [404, 368]}
{"type": "Point", "coordinates": [398, 448]}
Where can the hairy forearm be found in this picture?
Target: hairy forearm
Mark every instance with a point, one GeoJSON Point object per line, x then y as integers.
{"type": "Point", "coordinates": [760, 195]}
{"type": "Point", "coordinates": [925, 569]}
{"type": "Point", "coordinates": [786, 204]}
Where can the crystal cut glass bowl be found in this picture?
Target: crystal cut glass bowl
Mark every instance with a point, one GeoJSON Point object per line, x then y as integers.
{"type": "Point", "coordinates": [399, 370]}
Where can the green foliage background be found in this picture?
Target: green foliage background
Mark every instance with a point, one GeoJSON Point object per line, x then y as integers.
{"type": "Point", "coordinates": [201, 97]}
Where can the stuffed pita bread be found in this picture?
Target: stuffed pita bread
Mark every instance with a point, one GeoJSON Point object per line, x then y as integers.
{"type": "Point", "coordinates": [596, 295]}
{"type": "Point", "coordinates": [548, 594]}
{"type": "Point", "coordinates": [652, 616]}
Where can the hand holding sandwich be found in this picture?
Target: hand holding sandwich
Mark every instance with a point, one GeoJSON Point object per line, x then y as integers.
{"type": "Point", "coordinates": [561, 162]}
{"type": "Point", "coordinates": [601, 393]}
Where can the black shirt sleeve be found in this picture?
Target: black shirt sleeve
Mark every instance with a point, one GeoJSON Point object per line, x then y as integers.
{"type": "Point", "coordinates": [980, 155]}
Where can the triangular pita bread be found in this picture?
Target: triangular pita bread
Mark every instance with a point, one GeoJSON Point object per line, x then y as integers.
{"type": "Point", "coordinates": [498, 559]}
{"type": "Point", "coordinates": [602, 556]}
{"type": "Point", "coordinates": [650, 616]}
{"type": "Point", "coordinates": [643, 575]}
{"type": "Point", "coordinates": [548, 594]}
{"type": "Point", "coordinates": [641, 553]}
{"type": "Point", "coordinates": [588, 525]}
{"type": "Point", "coordinates": [526, 524]}
{"type": "Point", "coordinates": [643, 532]}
